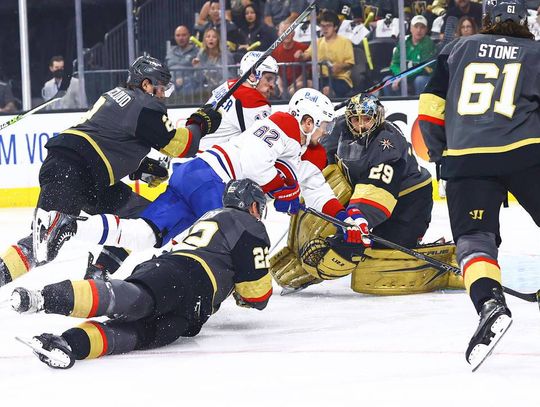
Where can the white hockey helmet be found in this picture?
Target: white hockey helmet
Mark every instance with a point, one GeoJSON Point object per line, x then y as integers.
{"type": "Point", "coordinates": [311, 102]}
{"type": "Point", "coordinates": [249, 59]}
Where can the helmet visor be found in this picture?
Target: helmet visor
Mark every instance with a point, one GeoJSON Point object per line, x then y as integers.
{"type": "Point", "coordinates": [167, 89]}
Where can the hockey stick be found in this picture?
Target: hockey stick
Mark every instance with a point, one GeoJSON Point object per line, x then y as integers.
{"type": "Point", "coordinates": [59, 95]}
{"type": "Point", "coordinates": [442, 267]}
{"type": "Point", "coordinates": [266, 54]}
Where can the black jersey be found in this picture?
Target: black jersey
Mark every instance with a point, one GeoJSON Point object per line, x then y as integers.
{"type": "Point", "coordinates": [479, 114]}
{"type": "Point", "coordinates": [381, 170]}
{"type": "Point", "coordinates": [232, 246]}
{"type": "Point", "coordinates": [119, 131]}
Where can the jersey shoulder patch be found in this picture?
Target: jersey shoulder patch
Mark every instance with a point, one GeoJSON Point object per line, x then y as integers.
{"type": "Point", "coordinates": [288, 124]}
{"type": "Point", "coordinates": [316, 155]}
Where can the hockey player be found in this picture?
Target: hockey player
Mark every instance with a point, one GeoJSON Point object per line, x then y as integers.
{"type": "Point", "coordinates": [167, 297]}
{"type": "Point", "coordinates": [269, 152]}
{"type": "Point", "coordinates": [248, 103]}
{"type": "Point", "coordinates": [480, 120]}
{"type": "Point", "coordinates": [391, 195]}
{"type": "Point", "coordinates": [86, 162]}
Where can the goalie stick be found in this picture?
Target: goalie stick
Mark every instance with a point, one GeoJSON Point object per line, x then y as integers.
{"type": "Point", "coordinates": [442, 267]}
{"type": "Point", "coordinates": [59, 95]}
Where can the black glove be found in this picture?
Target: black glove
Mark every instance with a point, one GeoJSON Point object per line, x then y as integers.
{"type": "Point", "coordinates": [151, 171]}
{"type": "Point", "coordinates": [206, 118]}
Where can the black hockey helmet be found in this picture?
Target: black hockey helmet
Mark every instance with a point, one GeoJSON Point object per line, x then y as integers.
{"type": "Point", "coordinates": [146, 67]}
{"type": "Point", "coordinates": [498, 11]}
{"type": "Point", "coordinates": [241, 193]}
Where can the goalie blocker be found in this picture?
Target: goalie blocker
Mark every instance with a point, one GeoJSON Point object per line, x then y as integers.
{"type": "Point", "coordinates": [374, 271]}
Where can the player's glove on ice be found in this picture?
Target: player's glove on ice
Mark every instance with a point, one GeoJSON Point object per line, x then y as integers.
{"type": "Point", "coordinates": [151, 171]}
{"type": "Point", "coordinates": [358, 232]}
{"type": "Point", "coordinates": [206, 118]}
{"type": "Point", "coordinates": [287, 198]}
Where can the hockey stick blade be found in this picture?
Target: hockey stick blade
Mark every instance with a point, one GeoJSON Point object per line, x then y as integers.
{"type": "Point", "coordinates": [266, 54]}
{"type": "Point", "coordinates": [443, 267]}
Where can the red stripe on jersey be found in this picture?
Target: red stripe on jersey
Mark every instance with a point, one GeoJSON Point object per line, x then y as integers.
{"type": "Point", "coordinates": [95, 299]}
{"type": "Point", "coordinates": [188, 144]}
{"type": "Point", "coordinates": [226, 156]}
{"type": "Point", "coordinates": [23, 257]}
{"type": "Point", "coordinates": [316, 155]}
{"type": "Point", "coordinates": [374, 204]}
{"type": "Point", "coordinates": [285, 170]}
{"type": "Point", "coordinates": [259, 299]}
{"type": "Point", "coordinates": [434, 120]}
{"type": "Point", "coordinates": [248, 96]}
{"type": "Point", "coordinates": [288, 124]}
{"type": "Point", "coordinates": [332, 207]}
{"type": "Point", "coordinates": [479, 259]}
{"type": "Point", "coordinates": [276, 183]}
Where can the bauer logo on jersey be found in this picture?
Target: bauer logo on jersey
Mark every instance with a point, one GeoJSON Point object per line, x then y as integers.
{"type": "Point", "coordinates": [386, 144]}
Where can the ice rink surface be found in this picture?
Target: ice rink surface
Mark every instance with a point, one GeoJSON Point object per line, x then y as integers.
{"type": "Point", "coordinates": [325, 346]}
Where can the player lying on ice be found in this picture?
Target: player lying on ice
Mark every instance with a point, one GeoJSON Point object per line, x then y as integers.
{"type": "Point", "coordinates": [167, 297]}
{"type": "Point", "coordinates": [380, 182]}
{"type": "Point", "coordinates": [269, 152]}
{"type": "Point", "coordinates": [85, 163]}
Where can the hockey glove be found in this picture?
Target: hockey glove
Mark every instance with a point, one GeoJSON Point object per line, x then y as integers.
{"type": "Point", "coordinates": [287, 198]}
{"type": "Point", "coordinates": [358, 232]}
{"type": "Point", "coordinates": [206, 118]}
{"type": "Point", "coordinates": [151, 171]}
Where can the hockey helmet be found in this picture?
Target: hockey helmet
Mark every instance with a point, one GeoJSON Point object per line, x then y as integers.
{"type": "Point", "coordinates": [367, 106]}
{"type": "Point", "coordinates": [311, 102]}
{"type": "Point", "coordinates": [250, 58]}
{"type": "Point", "coordinates": [241, 193]}
{"type": "Point", "coordinates": [147, 67]}
{"type": "Point", "coordinates": [498, 11]}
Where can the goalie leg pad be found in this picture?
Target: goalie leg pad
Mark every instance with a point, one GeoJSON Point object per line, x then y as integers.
{"type": "Point", "coordinates": [288, 271]}
{"type": "Point", "coordinates": [390, 272]}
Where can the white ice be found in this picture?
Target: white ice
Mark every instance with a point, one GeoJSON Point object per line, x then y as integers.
{"type": "Point", "coordinates": [326, 346]}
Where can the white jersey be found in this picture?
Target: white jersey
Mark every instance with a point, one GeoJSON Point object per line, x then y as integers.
{"type": "Point", "coordinates": [266, 153]}
{"type": "Point", "coordinates": [244, 106]}
{"type": "Point", "coordinates": [355, 32]}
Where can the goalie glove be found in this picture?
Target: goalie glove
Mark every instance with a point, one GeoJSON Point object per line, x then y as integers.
{"type": "Point", "coordinates": [151, 171]}
{"type": "Point", "coordinates": [358, 232]}
{"type": "Point", "coordinates": [287, 198]}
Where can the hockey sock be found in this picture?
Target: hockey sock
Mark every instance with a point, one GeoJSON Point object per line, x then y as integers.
{"type": "Point", "coordinates": [113, 231]}
{"type": "Point", "coordinates": [481, 275]}
{"type": "Point", "coordinates": [16, 261]}
{"type": "Point", "coordinates": [111, 258]}
{"type": "Point", "coordinates": [92, 298]}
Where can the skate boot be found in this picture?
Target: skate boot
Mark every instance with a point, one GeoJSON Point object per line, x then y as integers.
{"type": "Point", "coordinates": [95, 271]}
{"type": "Point", "coordinates": [5, 276]}
{"type": "Point", "coordinates": [26, 301]}
{"type": "Point", "coordinates": [53, 350]}
{"type": "Point", "coordinates": [495, 319]}
{"type": "Point", "coordinates": [50, 231]}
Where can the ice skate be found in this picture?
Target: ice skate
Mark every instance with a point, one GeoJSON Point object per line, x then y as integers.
{"type": "Point", "coordinates": [495, 319]}
{"type": "Point", "coordinates": [50, 231]}
{"type": "Point", "coordinates": [26, 301]}
{"type": "Point", "coordinates": [95, 272]}
{"type": "Point", "coordinates": [53, 350]}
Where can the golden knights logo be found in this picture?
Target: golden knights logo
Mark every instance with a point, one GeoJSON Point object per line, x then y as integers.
{"type": "Point", "coordinates": [386, 144]}
{"type": "Point", "coordinates": [477, 214]}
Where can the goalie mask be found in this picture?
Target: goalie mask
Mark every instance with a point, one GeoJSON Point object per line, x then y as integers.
{"type": "Point", "coordinates": [364, 114]}
{"type": "Point", "coordinates": [251, 57]}
{"type": "Point", "coordinates": [499, 11]}
{"type": "Point", "coordinates": [146, 67]}
{"type": "Point", "coordinates": [241, 193]}
{"type": "Point", "coordinates": [312, 103]}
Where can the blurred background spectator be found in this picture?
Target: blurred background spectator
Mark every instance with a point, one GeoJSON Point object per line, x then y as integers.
{"type": "Point", "coordinates": [291, 77]}
{"type": "Point", "coordinates": [179, 57]}
{"type": "Point", "coordinates": [72, 99]}
{"type": "Point", "coordinates": [462, 8]}
{"type": "Point", "coordinates": [234, 36]}
{"type": "Point", "coordinates": [276, 11]}
{"type": "Point", "coordinates": [254, 30]}
{"type": "Point", "coordinates": [465, 26]}
{"type": "Point", "coordinates": [419, 48]}
{"type": "Point", "coordinates": [204, 15]}
{"type": "Point", "coordinates": [210, 57]}
{"type": "Point", "coordinates": [336, 54]}
{"type": "Point", "coordinates": [7, 101]}
{"type": "Point", "coordinates": [237, 9]}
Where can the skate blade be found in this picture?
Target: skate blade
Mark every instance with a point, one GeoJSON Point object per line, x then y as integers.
{"type": "Point", "coordinates": [57, 359]}
{"type": "Point", "coordinates": [291, 290]}
{"type": "Point", "coordinates": [481, 352]}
